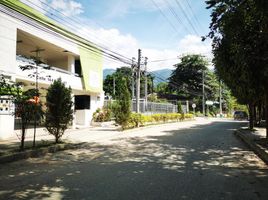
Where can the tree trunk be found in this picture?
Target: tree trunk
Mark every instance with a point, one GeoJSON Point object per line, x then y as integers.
{"type": "Point", "coordinates": [57, 136]}
{"type": "Point", "coordinates": [22, 136]}
{"type": "Point", "coordinates": [266, 112]}
{"type": "Point", "coordinates": [259, 112]}
{"type": "Point", "coordinates": [254, 115]}
{"type": "Point", "coordinates": [251, 120]}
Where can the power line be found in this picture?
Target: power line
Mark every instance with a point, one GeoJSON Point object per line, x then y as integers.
{"type": "Point", "coordinates": [92, 48]}
{"type": "Point", "coordinates": [195, 18]}
{"type": "Point", "coordinates": [163, 14]}
{"type": "Point", "coordinates": [186, 16]}
{"type": "Point", "coordinates": [174, 84]}
{"type": "Point", "coordinates": [173, 12]}
{"type": "Point", "coordinates": [163, 60]}
{"type": "Point", "coordinates": [25, 19]}
{"type": "Point", "coordinates": [73, 19]}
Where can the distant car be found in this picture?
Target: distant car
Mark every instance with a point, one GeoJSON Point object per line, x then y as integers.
{"type": "Point", "coordinates": [240, 115]}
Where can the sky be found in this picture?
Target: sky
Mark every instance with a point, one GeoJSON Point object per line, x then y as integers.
{"type": "Point", "coordinates": [162, 29]}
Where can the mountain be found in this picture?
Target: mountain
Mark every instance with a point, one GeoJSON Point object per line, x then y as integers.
{"type": "Point", "coordinates": [107, 72]}
{"type": "Point", "coordinates": [161, 75]}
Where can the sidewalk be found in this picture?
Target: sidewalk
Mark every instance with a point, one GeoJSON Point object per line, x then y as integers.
{"type": "Point", "coordinates": [256, 140]}
{"type": "Point", "coordinates": [107, 135]}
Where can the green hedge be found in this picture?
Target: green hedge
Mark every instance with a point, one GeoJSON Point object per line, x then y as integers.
{"type": "Point", "coordinates": [137, 119]}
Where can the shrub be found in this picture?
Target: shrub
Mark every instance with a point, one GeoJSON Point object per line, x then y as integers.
{"type": "Point", "coordinates": [121, 108]}
{"type": "Point", "coordinates": [59, 111]}
{"type": "Point", "coordinates": [103, 115]}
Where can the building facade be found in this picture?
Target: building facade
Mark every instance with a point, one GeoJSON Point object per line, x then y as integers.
{"type": "Point", "coordinates": [27, 36]}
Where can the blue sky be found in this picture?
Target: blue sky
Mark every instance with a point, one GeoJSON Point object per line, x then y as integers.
{"type": "Point", "coordinates": [159, 27]}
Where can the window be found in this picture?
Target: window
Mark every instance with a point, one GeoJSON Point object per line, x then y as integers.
{"type": "Point", "coordinates": [82, 102]}
{"type": "Point", "coordinates": [77, 67]}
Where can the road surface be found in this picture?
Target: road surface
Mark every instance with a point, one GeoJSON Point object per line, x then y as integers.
{"type": "Point", "coordinates": [175, 161]}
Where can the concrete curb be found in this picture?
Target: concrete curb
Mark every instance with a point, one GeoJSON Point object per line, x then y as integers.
{"type": "Point", "coordinates": [37, 152]}
{"type": "Point", "coordinates": [152, 125]}
{"type": "Point", "coordinates": [258, 149]}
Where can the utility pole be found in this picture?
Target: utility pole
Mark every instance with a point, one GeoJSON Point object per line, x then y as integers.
{"type": "Point", "coordinates": [133, 78]}
{"type": "Point", "coordinates": [220, 101]}
{"type": "Point", "coordinates": [145, 83]}
{"type": "Point", "coordinates": [203, 92]}
{"type": "Point", "coordinates": [138, 82]}
{"type": "Point", "coordinates": [37, 51]}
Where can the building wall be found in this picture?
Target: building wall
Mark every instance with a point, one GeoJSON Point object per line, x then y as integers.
{"type": "Point", "coordinates": [9, 65]}
{"type": "Point", "coordinates": [8, 38]}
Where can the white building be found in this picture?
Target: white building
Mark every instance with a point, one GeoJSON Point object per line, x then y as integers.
{"type": "Point", "coordinates": [25, 34]}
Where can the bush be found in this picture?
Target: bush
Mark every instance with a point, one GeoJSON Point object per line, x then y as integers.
{"type": "Point", "coordinates": [137, 119]}
{"type": "Point", "coordinates": [59, 111]}
{"type": "Point", "coordinates": [121, 108]}
{"type": "Point", "coordinates": [103, 115]}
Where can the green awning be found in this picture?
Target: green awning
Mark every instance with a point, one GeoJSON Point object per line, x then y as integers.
{"type": "Point", "coordinates": [91, 64]}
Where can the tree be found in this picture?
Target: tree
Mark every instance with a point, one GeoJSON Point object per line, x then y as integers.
{"type": "Point", "coordinates": [240, 40]}
{"type": "Point", "coordinates": [186, 79]}
{"type": "Point", "coordinates": [26, 106]}
{"type": "Point", "coordinates": [126, 73]}
{"type": "Point", "coordinates": [116, 77]}
{"type": "Point", "coordinates": [59, 111]}
{"type": "Point", "coordinates": [121, 108]}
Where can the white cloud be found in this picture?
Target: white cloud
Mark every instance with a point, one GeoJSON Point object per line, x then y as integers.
{"type": "Point", "coordinates": [67, 7]}
{"type": "Point", "coordinates": [127, 45]}
{"type": "Point", "coordinates": [120, 8]}
{"type": "Point", "coordinates": [113, 40]}
{"type": "Point", "coordinates": [193, 44]}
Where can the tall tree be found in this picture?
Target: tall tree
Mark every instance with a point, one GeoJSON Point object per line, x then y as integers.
{"type": "Point", "coordinates": [240, 46]}
{"type": "Point", "coordinates": [121, 108]}
{"type": "Point", "coordinates": [186, 79]}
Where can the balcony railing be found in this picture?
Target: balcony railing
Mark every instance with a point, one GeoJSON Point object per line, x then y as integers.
{"type": "Point", "coordinates": [46, 73]}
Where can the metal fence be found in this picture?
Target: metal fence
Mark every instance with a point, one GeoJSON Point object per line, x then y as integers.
{"type": "Point", "coordinates": [150, 107]}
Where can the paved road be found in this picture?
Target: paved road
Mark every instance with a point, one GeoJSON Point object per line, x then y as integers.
{"type": "Point", "coordinates": [176, 161]}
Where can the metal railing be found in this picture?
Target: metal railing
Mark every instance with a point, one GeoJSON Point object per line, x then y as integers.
{"type": "Point", "coordinates": [149, 107]}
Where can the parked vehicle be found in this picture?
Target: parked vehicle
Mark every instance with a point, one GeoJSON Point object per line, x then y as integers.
{"type": "Point", "coordinates": [240, 115]}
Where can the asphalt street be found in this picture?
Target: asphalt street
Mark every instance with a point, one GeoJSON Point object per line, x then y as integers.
{"type": "Point", "coordinates": [201, 161]}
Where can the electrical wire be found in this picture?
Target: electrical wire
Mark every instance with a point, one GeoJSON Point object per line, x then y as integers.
{"type": "Point", "coordinates": [173, 12]}
{"type": "Point", "coordinates": [163, 14]}
{"type": "Point", "coordinates": [192, 12]}
{"type": "Point", "coordinates": [76, 21]}
{"type": "Point", "coordinates": [174, 84]}
{"type": "Point", "coordinates": [46, 28]}
{"type": "Point", "coordinates": [71, 26]}
{"type": "Point", "coordinates": [186, 16]}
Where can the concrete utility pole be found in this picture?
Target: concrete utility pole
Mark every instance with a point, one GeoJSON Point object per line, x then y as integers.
{"type": "Point", "coordinates": [203, 92]}
{"type": "Point", "coordinates": [145, 83]}
{"type": "Point", "coordinates": [138, 82]}
{"type": "Point", "coordinates": [220, 101]}
{"type": "Point", "coordinates": [133, 78]}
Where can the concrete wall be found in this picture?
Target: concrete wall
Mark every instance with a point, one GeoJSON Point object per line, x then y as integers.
{"type": "Point", "coordinates": [8, 42]}
{"type": "Point", "coordinates": [84, 117]}
{"type": "Point", "coordinates": [9, 66]}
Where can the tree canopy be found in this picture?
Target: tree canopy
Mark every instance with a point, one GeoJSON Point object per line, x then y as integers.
{"type": "Point", "coordinates": [239, 33]}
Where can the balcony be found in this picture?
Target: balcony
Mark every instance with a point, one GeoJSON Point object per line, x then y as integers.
{"type": "Point", "coordinates": [55, 61]}
{"type": "Point", "coordinates": [46, 73]}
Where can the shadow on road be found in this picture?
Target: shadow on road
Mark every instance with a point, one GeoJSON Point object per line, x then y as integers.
{"type": "Point", "coordinates": [202, 162]}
